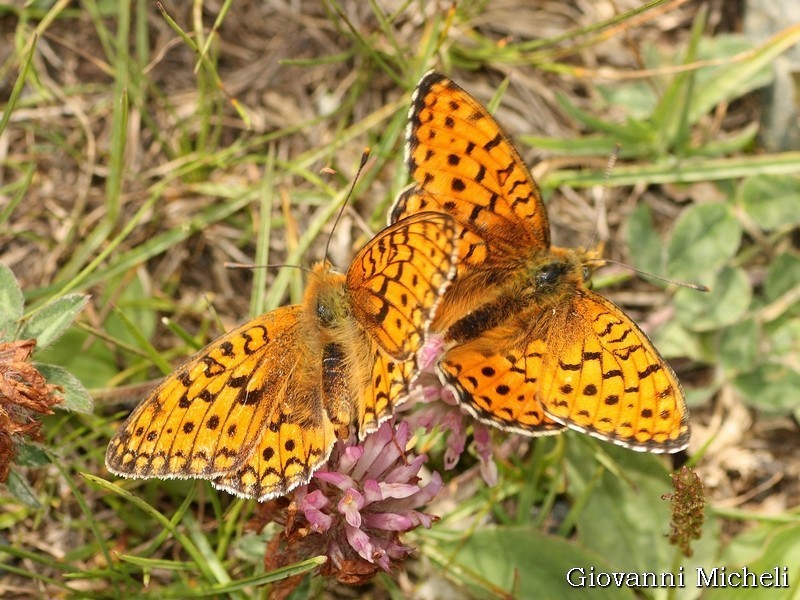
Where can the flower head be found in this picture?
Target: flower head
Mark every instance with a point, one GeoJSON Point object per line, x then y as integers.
{"type": "Point", "coordinates": [441, 410]}
{"type": "Point", "coordinates": [688, 509]}
{"type": "Point", "coordinates": [23, 393]}
{"type": "Point", "coordinates": [355, 509]}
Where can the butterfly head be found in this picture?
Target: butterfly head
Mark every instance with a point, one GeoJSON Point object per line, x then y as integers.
{"type": "Point", "coordinates": [325, 296]}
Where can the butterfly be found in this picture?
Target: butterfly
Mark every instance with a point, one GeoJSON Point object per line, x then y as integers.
{"type": "Point", "coordinates": [528, 347]}
{"type": "Point", "coordinates": [258, 410]}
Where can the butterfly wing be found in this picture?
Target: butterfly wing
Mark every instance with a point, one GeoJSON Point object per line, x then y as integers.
{"type": "Point", "coordinates": [495, 378]}
{"type": "Point", "coordinates": [603, 376]}
{"type": "Point", "coordinates": [457, 153]}
{"type": "Point", "coordinates": [585, 365]}
{"type": "Point", "coordinates": [297, 439]}
{"type": "Point", "coordinates": [207, 417]}
{"type": "Point", "coordinates": [396, 280]}
{"type": "Point", "coordinates": [473, 251]}
{"type": "Point", "coordinates": [388, 388]}
{"type": "Point", "coordinates": [395, 284]}
{"type": "Point", "coordinates": [558, 365]}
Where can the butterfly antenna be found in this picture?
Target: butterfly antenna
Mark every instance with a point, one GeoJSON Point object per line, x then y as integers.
{"type": "Point", "coordinates": [250, 266]}
{"type": "Point", "coordinates": [364, 159]}
{"type": "Point", "coordinates": [692, 286]}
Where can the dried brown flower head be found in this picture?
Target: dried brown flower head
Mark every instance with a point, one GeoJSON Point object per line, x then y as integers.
{"type": "Point", "coordinates": [688, 504]}
{"type": "Point", "coordinates": [23, 393]}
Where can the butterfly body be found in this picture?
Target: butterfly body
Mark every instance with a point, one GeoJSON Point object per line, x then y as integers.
{"type": "Point", "coordinates": [545, 280]}
{"type": "Point", "coordinates": [259, 409]}
{"type": "Point", "coordinates": [529, 348]}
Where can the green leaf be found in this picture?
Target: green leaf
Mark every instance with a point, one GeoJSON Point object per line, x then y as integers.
{"type": "Point", "coordinates": [625, 519]}
{"type": "Point", "coordinates": [631, 132]}
{"type": "Point", "coordinates": [637, 98]}
{"type": "Point", "coordinates": [645, 248]}
{"type": "Point", "coordinates": [772, 388]}
{"type": "Point", "coordinates": [671, 171]}
{"type": "Point", "coordinates": [735, 77]}
{"type": "Point", "coordinates": [31, 455]}
{"type": "Point", "coordinates": [129, 296]}
{"type": "Point", "coordinates": [782, 549]}
{"type": "Point", "coordinates": [747, 546]}
{"type": "Point", "coordinates": [47, 325]}
{"type": "Point", "coordinates": [674, 340]}
{"type": "Point", "coordinates": [523, 563]}
{"type": "Point", "coordinates": [21, 490]}
{"type": "Point", "coordinates": [738, 346]}
{"type": "Point", "coordinates": [783, 274]}
{"type": "Point", "coordinates": [94, 365]}
{"type": "Point", "coordinates": [589, 145]}
{"type": "Point", "coordinates": [76, 398]}
{"type": "Point", "coordinates": [12, 301]}
{"type": "Point", "coordinates": [705, 237]}
{"type": "Point", "coordinates": [784, 339]}
{"type": "Point", "coordinates": [700, 395]}
{"type": "Point", "coordinates": [670, 116]}
{"type": "Point", "coordinates": [734, 143]}
{"type": "Point", "coordinates": [620, 520]}
{"type": "Point", "coordinates": [725, 304]}
{"type": "Point", "coordinates": [771, 200]}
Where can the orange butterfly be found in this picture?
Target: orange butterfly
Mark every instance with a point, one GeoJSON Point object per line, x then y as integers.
{"type": "Point", "coordinates": [528, 347]}
{"type": "Point", "coordinates": [259, 409]}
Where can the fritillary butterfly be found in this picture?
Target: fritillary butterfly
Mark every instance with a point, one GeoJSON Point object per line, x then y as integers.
{"type": "Point", "coordinates": [528, 347]}
{"type": "Point", "coordinates": [258, 410]}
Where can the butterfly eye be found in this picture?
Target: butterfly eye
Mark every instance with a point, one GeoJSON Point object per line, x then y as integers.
{"type": "Point", "coordinates": [587, 274]}
{"type": "Point", "coordinates": [549, 274]}
{"type": "Point", "coordinates": [324, 315]}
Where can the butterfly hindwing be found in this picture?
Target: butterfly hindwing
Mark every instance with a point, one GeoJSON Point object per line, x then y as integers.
{"type": "Point", "coordinates": [497, 382]}
{"type": "Point", "coordinates": [297, 439]}
{"type": "Point", "coordinates": [206, 417]}
{"type": "Point", "coordinates": [602, 375]}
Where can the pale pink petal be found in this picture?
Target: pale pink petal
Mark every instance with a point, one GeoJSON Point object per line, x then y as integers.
{"type": "Point", "coordinates": [349, 458]}
{"type": "Point", "coordinates": [456, 443]}
{"type": "Point", "coordinates": [372, 492]}
{"type": "Point", "coordinates": [403, 473]}
{"type": "Point", "coordinates": [315, 499]}
{"type": "Point", "coordinates": [398, 490]}
{"type": "Point", "coordinates": [431, 351]}
{"type": "Point", "coordinates": [377, 446]}
{"type": "Point", "coordinates": [483, 445]}
{"type": "Point", "coordinates": [339, 480]}
{"type": "Point", "coordinates": [350, 505]}
{"type": "Point", "coordinates": [359, 541]}
{"type": "Point", "coordinates": [388, 521]}
{"type": "Point", "coordinates": [319, 521]}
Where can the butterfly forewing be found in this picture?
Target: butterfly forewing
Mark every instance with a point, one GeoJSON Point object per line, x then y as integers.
{"type": "Point", "coordinates": [395, 282]}
{"type": "Point", "coordinates": [457, 152]}
{"type": "Point", "coordinates": [472, 249]}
